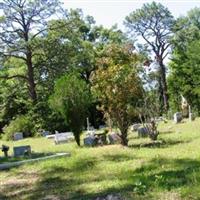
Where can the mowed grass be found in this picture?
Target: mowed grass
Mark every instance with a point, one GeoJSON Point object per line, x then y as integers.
{"type": "Point", "coordinates": [166, 170]}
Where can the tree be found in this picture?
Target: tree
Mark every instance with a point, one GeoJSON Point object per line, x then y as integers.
{"type": "Point", "coordinates": [185, 64]}
{"type": "Point", "coordinates": [71, 98]}
{"type": "Point", "coordinates": [117, 86]}
{"type": "Point", "coordinates": [22, 22]}
{"type": "Point", "coordinates": [154, 23]}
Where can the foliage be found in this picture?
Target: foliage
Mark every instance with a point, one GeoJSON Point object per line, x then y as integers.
{"type": "Point", "coordinates": [184, 74]}
{"type": "Point", "coordinates": [22, 23]}
{"type": "Point", "coordinates": [154, 23]}
{"type": "Point", "coordinates": [117, 86]}
{"type": "Point", "coordinates": [71, 99]}
{"type": "Point", "coordinates": [22, 124]}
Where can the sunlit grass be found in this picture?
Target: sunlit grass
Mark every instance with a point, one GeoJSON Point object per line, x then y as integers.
{"type": "Point", "coordinates": [167, 170]}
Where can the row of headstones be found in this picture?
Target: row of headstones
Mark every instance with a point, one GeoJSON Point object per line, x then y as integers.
{"type": "Point", "coordinates": [20, 136]}
{"type": "Point", "coordinates": [92, 140]}
{"type": "Point", "coordinates": [178, 117]}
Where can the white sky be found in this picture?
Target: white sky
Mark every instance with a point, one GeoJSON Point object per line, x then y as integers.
{"type": "Point", "coordinates": [110, 12]}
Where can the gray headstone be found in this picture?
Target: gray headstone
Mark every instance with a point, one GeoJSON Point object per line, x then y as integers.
{"type": "Point", "coordinates": [142, 132]}
{"type": "Point", "coordinates": [18, 136]}
{"type": "Point", "coordinates": [45, 133]}
{"type": "Point", "coordinates": [114, 138]}
{"type": "Point", "coordinates": [178, 117]}
{"type": "Point", "coordinates": [22, 150]}
{"type": "Point", "coordinates": [89, 141]}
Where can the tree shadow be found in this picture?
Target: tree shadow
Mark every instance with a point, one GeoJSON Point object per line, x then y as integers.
{"type": "Point", "coordinates": [163, 143]}
{"type": "Point", "coordinates": [67, 182]}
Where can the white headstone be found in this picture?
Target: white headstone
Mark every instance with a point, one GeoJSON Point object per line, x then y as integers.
{"type": "Point", "coordinates": [63, 137]}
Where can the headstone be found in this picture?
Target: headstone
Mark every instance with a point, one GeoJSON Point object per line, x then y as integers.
{"type": "Point", "coordinates": [184, 107]}
{"type": "Point", "coordinates": [45, 133]}
{"type": "Point", "coordinates": [178, 117]}
{"type": "Point", "coordinates": [191, 116]}
{"type": "Point", "coordinates": [114, 138]}
{"type": "Point", "coordinates": [143, 132]}
{"type": "Point", "coordinates": [63, 137]}
{"type": "Point", "coordinates": [89, 141]}
{"type": "Point", "coordinates": [52, 136]}
{"type": "Point", "coordinates": [22, 150]}
{"type": "Point", "coordinates": [135, 127]}
{"type": "Point", "coordinates": [18, 136]}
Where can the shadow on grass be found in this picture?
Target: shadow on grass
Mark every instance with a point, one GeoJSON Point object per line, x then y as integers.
{"type": "Point", "coordinates": [164, 174]}
{"type": "Point", "coordinates": [158, 144]}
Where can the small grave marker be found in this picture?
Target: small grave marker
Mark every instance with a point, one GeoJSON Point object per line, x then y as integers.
{"type": "Point", "coordinates": [18, 136]}
{"type": "Point", "coordinates": [22, 150]}
{"type": "Point", "coordinates": [178, 117]}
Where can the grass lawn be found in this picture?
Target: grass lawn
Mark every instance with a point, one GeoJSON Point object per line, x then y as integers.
{"type": "Point", "coordinates": [168, 170]}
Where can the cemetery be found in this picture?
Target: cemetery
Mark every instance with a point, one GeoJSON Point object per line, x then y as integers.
{"type": "Point", "coordinates": [102, 107]}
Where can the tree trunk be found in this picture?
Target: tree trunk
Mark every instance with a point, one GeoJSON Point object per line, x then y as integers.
{"type": "Point", "coordinates": [77, 138]}
{"type": "Point", "coordinates": [124, 140]}
{"type": "Point", "coordinates": [164, 87]}
{"type": "Point", "coordinates": [31, 81]}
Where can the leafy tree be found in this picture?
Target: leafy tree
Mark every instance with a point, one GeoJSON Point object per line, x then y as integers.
{"type": "Point", "coordinates": [22, 22]}
{"type": "Point", "coordinates": [71, 99]}
{"type": "Point", "coordinates": [154, 23]}
{"type": "Point", "coordinates": [117, 86]}
{"type": "Point", "coordinates": [184, 67]}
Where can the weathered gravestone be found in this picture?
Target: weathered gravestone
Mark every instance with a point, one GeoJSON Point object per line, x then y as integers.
{"type": "Point", "coordinates": [143, 132]}
{"type": "Point", "coordinates": [178, 117]}
{"type": "Point", "coordinates": [18, 136]}
{"type": "Point", "coordinates": [63, 137]}
{"type": "Point", "coordinates": [114, 138]}
{"type": "Point", "coordinates": [45, 133]}
{"type": "Point", "coordinates": [22, 150]}
{"type": "Point", "coordinates": [90, 141]}
{"type": "Point", "coordinates": [135, 127]}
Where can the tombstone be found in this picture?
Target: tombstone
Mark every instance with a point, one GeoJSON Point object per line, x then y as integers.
{"type": "Point", "coordinates": [191, 116]}
{"type": "Point", "coordinates": [135, 127]}
{"type": "Point", "coordinates": [45, 133]}
{"type": "Point", "coordinates": [63, 137]}
{"type": "Point", "coordinates": [143, 132]}
{"type": "Point", "coordinates": [18, 136]}
{"type": "Point", "coordinates": [89, 141]}
{"type": "Point", "coordinates": [52, 136]}
{"type": "Point", "coordinates": [184, 106]}
{"type": "Point", "coordinates": [22, 150]}
{"type": "Point", "coordinates": [114, 138]}
{"type": "Point", "coordinates": [178, 117]}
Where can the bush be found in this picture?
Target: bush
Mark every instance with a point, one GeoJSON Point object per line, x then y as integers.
{"type": "Point", "coordinates": [21, 124]}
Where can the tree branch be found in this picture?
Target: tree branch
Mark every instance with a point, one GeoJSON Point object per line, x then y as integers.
{"type": "Point", "coordinates": [14, 76]}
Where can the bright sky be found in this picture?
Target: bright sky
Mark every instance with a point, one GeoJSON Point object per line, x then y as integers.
{"type": "Point", "coordinates": [110, 12]}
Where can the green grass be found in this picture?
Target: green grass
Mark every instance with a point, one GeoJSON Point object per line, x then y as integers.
{"type": "Point", "coordinates": [166, 170]}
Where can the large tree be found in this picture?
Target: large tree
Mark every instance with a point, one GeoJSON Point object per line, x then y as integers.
{"type": "Point", "coordinates": [185, 64]}
{"type": "Point", "coordinates": [71, 98]}
{"type": "Point", "coordinates": [21, 23]}
{"type": "Point", "coordinates": [153, 23]}
{"type": "Point", "coordinates": [117, 86]}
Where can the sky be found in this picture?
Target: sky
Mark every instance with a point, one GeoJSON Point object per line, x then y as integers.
{"type": "Point", "coordinates": [110, 12]}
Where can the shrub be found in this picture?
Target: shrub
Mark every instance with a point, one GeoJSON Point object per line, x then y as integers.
{"type": "Point", "coordinates": [22, 124]}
